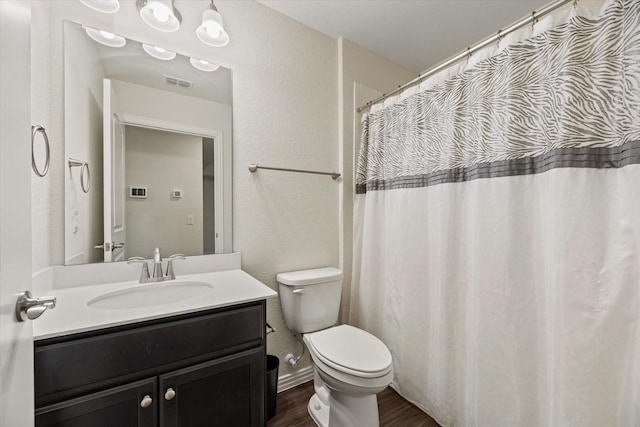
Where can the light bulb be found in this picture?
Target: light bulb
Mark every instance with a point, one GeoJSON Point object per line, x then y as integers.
{"type": "Point", "coordinates": [161, 12]}
{"type": "Point", "coordinates": [213, 30]}
{"type": "Point", "coordinates": [105, 6]}
{"type": "Point", "coordinates": [158, 52]}
{"type": "Point", "coordinates": [106, 38]}
{"type": "Point", "coordinates": [107, 35]}
{"type": "Point", "coordinates": [203, 65]}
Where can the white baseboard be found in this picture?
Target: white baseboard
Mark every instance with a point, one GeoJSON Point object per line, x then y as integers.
{"type": "Point", "coordinates": [301, 376]}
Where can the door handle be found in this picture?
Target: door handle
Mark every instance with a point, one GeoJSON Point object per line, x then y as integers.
{"type": "Point", "coordinates": [28, 307]}
{"type": "Point", "coordinates": [109, 246]}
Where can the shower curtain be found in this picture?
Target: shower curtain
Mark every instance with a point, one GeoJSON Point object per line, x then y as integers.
{"type": "Point", "coordinates": [497, 232]}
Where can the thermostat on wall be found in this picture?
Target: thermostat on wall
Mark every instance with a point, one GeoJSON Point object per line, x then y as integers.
{"type": "Point", "coordinates": [176, 194]}
{"type": "Point", "coordinates": [138, 192]}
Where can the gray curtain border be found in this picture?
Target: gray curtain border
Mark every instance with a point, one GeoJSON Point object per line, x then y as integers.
{"type": "Point", "coordinates": [581, 157]}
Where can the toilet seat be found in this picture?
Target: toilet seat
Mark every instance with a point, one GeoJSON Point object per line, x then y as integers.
{"type": "Point", "coordinates": [351, 351]}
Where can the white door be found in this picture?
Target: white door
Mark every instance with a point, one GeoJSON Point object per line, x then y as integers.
{"type": "Point", "coordinates": [113, 166]}
{"type": "Point", "coordinates": [16, 338]}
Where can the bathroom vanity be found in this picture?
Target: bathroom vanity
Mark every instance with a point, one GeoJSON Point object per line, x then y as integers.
{"type": "Point", "coordinates": [195, 362]}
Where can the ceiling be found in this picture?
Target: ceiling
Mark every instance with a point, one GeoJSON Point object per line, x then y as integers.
{"type": "Point", "coordinates": [415, 33]}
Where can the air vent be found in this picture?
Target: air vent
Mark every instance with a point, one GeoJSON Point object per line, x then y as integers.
{"type": "Point", "coordinates": [176, 81]}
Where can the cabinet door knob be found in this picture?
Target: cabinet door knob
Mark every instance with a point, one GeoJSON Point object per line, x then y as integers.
{"type": "Point", "coordinates": [146, 401]}
{"type": "Point", "coordinates": [169, 394]}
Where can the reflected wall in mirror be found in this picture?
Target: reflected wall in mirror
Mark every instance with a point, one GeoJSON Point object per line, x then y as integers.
{"type": "Point", "coordinates": [156, 138]}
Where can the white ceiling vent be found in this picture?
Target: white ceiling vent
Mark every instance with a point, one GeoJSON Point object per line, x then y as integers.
{"type": "Point", "coordinates": [177, 81]}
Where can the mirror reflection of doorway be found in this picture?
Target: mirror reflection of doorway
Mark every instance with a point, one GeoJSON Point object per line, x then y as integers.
{"type": "Point", "coordinates": [208, 199]}
{"type": "Point", "coordinates": [170, 192]}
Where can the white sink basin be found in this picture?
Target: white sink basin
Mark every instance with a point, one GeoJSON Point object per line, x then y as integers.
{"type": "Point", "coordinates": [151, 294]}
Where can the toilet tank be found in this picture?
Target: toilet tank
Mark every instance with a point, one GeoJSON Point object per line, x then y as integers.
{"type": "Point", "coordinates": [310, 299]}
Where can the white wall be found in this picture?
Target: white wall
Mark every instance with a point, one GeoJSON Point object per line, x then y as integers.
{"type": "Point", "coordinates": [289, 110]}
{"type": "Point", "coordinates": [42, 64]}
{"type": "Point", "coordinates": [163, 161]}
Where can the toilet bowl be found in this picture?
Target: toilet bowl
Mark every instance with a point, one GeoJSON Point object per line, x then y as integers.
{"type": "Point", "coordinates": [350, 365]}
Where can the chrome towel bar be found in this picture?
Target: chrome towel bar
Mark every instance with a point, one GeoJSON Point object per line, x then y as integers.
{"type": "Point", "coordinates": [253, 168]}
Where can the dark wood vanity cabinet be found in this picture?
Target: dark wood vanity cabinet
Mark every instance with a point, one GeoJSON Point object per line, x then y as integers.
{"type": "Point", "coordinates": [195, 370]}
{"type": "Point", "coordinates": [117, 406]}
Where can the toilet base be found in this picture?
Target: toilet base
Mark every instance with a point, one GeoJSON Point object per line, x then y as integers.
{"type": "Point", "coordinates": [319, 411]}
{"type": "Point", "coordinates": [345, 411]}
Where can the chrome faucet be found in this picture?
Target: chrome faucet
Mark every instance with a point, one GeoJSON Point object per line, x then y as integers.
{"type": "Point", "coordinates": [158, 276]}
{"type": "Point", "coordinates": [157, 265]}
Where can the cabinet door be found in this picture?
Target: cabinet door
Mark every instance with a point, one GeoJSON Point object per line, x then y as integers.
{"type": "Point", "coordinates": [131, 405]}
{"type": "Point", "coordinates": [225, 392]}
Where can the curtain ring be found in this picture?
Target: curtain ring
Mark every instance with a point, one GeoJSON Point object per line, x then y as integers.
{"type": "Point", "coordinates": [468, 54]}
{"type": "Point", "coordinates": [35, 130]}
{"type": "Point", "coordinates": [499, 37]}
{"type": "Point", "coordinates": [534, 20]}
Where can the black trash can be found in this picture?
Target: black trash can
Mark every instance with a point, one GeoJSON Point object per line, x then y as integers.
{"type": "Point", "coordinates": [272, 384]}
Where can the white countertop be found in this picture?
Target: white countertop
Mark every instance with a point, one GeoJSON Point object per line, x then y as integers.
{"type": "Point", "coordinates": [72, 314]}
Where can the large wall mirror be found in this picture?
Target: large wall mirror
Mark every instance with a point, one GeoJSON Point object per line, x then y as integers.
{"type": "Point", "coordinates": [147, 151]}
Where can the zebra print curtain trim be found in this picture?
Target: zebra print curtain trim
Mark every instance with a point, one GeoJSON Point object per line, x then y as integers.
{"type": "Point", "coordinates": [585, 157]}
{"type": "Point", "coordinates": [575, 85]}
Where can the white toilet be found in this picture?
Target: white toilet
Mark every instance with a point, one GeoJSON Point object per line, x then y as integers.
{"type": "Point", "coordinates": [350, 365]}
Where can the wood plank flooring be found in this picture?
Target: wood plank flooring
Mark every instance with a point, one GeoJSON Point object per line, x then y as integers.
{"type": "Point", "coordinates": [291, 410]}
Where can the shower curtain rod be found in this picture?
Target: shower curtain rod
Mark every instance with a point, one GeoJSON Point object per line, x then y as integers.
{"type": "Point", "coordinates": [531, 19]}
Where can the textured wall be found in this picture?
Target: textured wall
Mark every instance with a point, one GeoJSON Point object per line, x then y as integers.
{"type": "Point", "coordinates": [290, 100]}
{"type": "Point", "coordinates": [284, 114]}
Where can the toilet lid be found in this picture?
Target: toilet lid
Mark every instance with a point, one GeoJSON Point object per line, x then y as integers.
{"type": "Point", "coordinates": [352, 350]}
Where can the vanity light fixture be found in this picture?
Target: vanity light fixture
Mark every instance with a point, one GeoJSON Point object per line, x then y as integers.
{"type": "Point", "coordinates": [211, 31]}
{"type": "Point", "coordinates": [105, 37]}
{"type": "Point", "coordinates": [160, 14]}
{"type": "Point", "coordinates": [105, 6]}
{"type": "Point", "coordinates": [203, 65]}
{"type": "Point", "coordinates": [158, 52]}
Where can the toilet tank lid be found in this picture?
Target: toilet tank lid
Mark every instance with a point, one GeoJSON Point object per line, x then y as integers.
{"type": "Point", "coordinates": [309, 277]}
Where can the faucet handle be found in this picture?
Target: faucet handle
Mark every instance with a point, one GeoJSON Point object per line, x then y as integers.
{"type": "Point", "coordinates": [144, 274]}
{"type": "Point", "coordinates": [170, 274]}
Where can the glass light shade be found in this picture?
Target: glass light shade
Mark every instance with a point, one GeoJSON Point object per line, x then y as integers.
{"type": "Point", "coordinates": [158, 52]}
{"type": "Point", "coordinates": [105, 6]}
{"type": "Point", "coordinates": [211, 31]}
{"type": "Point", "coordinates": [161, 15]}
{"type": "Point", "coordinates": [203, 65]}
{"type": "Point", "coordinates": [105, 37]}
